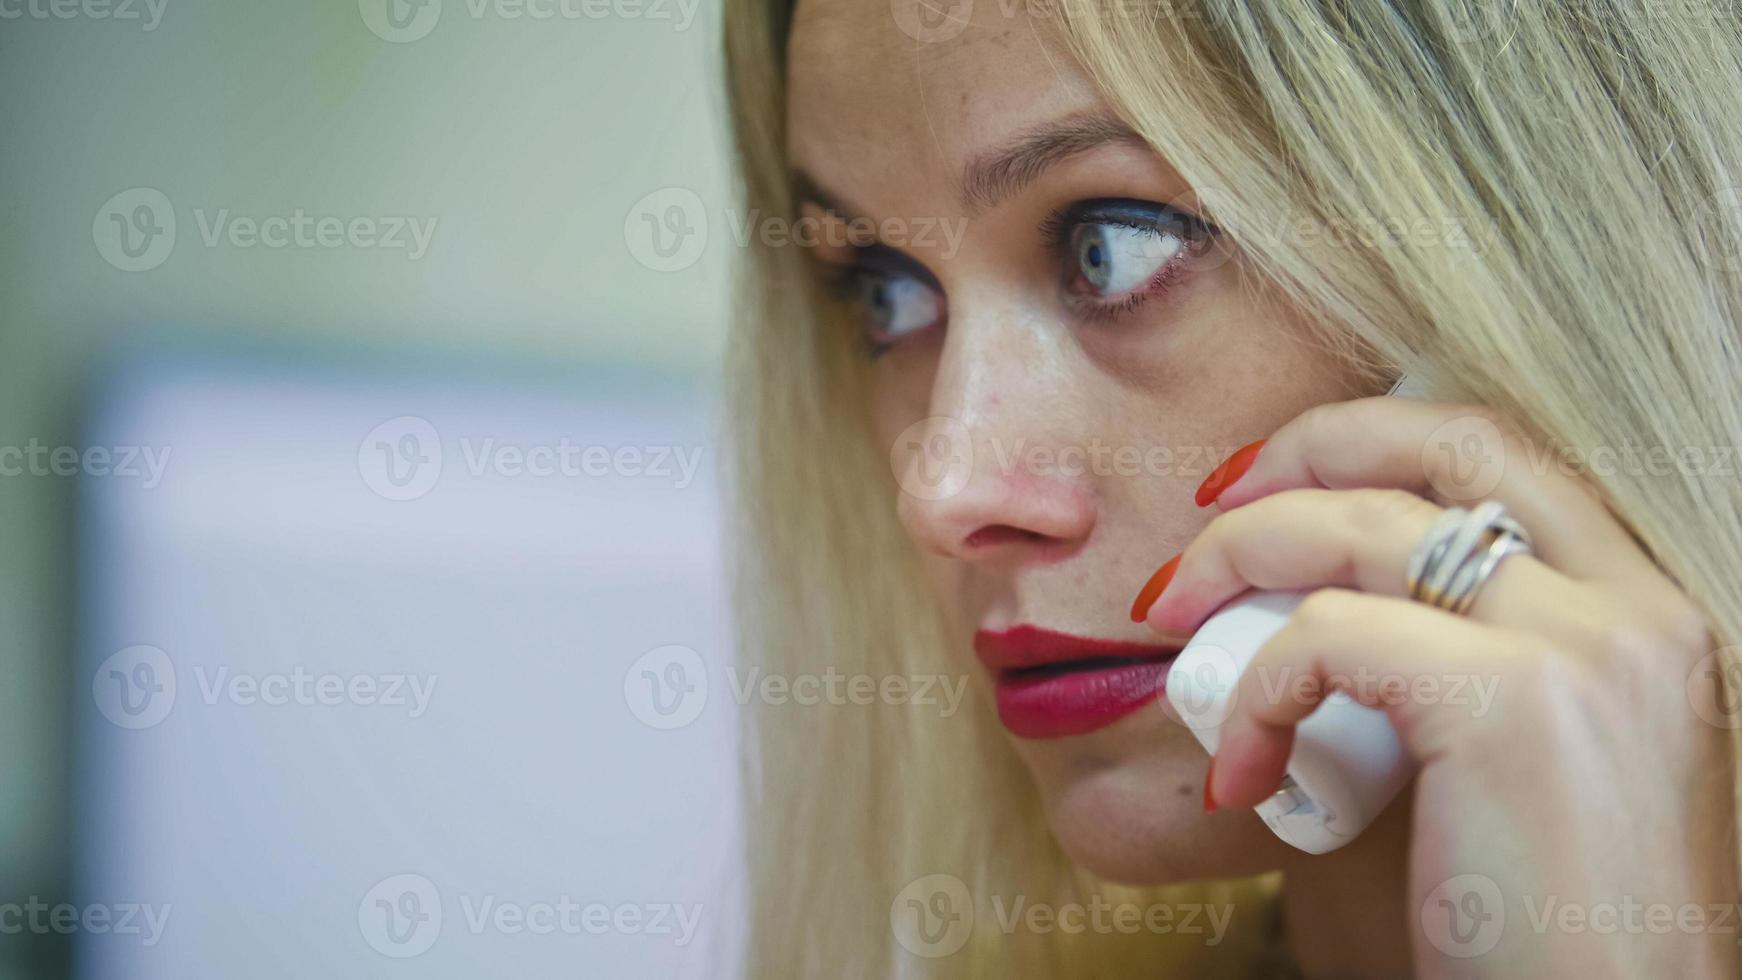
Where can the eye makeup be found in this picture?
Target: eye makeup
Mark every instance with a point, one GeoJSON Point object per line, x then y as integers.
{"type": "Point", "coordinates": [1115, 254]}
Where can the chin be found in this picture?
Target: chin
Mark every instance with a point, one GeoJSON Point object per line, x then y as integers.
{"type": "Point", "coordinates": [1140, 820]}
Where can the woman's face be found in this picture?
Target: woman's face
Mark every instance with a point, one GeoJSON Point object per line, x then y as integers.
{"type": "Point", "coordinates": [1068, 351]}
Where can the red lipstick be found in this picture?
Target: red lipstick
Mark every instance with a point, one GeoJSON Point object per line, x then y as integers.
{"type": "Point", "coordinates": [1053, 684]}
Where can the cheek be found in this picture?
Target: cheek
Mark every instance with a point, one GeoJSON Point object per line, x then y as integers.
{"type": "Point", "coordinates": [901, 388]}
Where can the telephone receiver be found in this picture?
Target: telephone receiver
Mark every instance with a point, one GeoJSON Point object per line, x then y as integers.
{"type": "Point", "coordinates": [1347, 763]}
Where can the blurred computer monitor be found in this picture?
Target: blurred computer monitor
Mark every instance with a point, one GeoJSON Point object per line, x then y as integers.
{"type": "Point", "coordinates": [389, 676]}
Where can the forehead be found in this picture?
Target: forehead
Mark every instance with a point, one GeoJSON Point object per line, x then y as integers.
{"type": "Point", "coordinates": [886, 102]}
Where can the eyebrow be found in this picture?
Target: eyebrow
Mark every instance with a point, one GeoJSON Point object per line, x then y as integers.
{"type": "Point", "coordinates": [991, 177]}
{"type": "Point", "coordinates": [995, 175]}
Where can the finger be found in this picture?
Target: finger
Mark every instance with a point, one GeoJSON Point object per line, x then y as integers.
{"type": "Point", "coordinates": [1431, 672]}
{"type": "Point", "coordinates": [1456, 455]}
{"type": "Point", "coordinates": [1359, 539]}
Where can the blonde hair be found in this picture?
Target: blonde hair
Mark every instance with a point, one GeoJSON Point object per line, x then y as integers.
{"type": "Point", "coordinates": [1586, 152]}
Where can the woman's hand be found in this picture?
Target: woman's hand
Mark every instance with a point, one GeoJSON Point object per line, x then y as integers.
{"type": "Point", "coordinates": [1582, 824]}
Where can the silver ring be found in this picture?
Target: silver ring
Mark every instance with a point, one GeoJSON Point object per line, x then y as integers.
{"type": "Point", "coordinates": [1460, 552]}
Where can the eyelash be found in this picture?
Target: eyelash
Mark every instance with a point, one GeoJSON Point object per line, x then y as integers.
{"type": "Point", "coordinates": [844, 284]}
{"type": "Point", "coordinates": [1058, 228]}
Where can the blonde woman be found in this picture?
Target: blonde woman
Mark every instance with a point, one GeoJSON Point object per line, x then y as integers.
{"type": "Point", "coordinates": [1074, 288]}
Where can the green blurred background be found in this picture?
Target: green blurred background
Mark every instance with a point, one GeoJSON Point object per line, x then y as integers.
{"type": "Point", "coordinates": [529, 141]}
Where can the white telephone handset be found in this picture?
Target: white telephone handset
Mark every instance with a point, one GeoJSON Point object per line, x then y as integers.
{"type": "Point", "coordinates": [1347, 763]}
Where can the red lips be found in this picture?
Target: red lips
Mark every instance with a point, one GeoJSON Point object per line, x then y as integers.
{"type": "Point", "coordinates": [1053, 684]}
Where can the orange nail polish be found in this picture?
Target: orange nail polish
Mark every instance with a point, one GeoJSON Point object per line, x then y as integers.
{"type": "Point", "coordinates": [1231, 470]}
{"type": "Point", "coordinates": [1209, 800]}
{"type": "Point", "coordinates": [1152, 589]}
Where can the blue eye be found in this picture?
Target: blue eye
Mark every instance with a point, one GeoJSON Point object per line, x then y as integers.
{"type": "Point", "coordinates": [896, 304]}
{"type": "Point", "coordinates": [1117, 258]}
{"type": "Point", "coordinates": [1115, 254]}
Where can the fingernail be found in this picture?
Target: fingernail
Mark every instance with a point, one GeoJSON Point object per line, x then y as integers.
{"type": "Point", "coordinates": [1152, 589]}
{"type": "Point", "coordinates": [1209, 800]}
{"type": "Point", "coordinates": [1231, 470]}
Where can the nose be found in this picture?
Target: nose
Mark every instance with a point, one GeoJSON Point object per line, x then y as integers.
{"type": "Point", "coordinates": [996, 470]}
